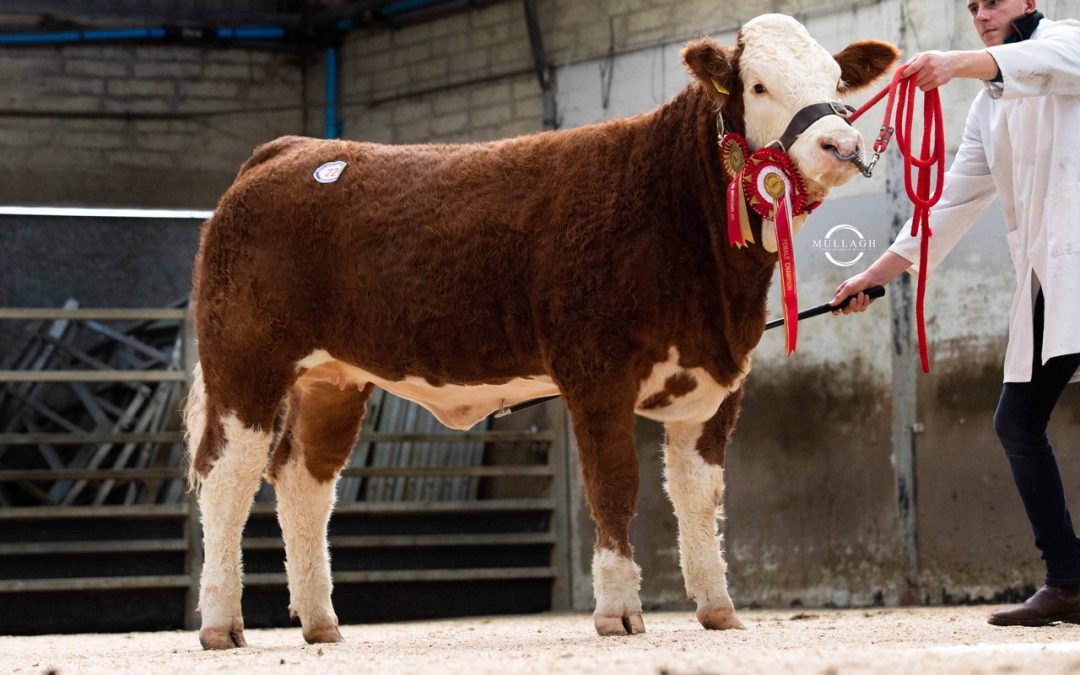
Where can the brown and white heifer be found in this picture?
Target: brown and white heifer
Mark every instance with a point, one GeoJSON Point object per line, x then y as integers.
{"type": "Point", "coordinates": [588, 262]}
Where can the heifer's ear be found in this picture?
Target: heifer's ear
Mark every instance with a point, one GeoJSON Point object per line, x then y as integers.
{"type": "Point", "coordinates": [713, 65]}
{"type": "Point", "coordinates": [864, 61]}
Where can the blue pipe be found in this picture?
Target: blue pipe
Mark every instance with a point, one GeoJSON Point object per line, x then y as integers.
{"type": "Point", "coordinates": [160, 32]}
{"type": "Point", "coordinates": [135, 34]}
{"type": "Point", "coordinates": [253, 33]}
{"type": "Point", "coordinates": [332, 130]}
{"type": "Point", "coordinates": [83, 36]}
{"type": "Point", "coordinates": [408, 6]}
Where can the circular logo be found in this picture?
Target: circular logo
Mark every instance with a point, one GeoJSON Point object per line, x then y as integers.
{"type": "Point", "coordinates": [329, 172]}
{"type": "Point", "coordinates": [829, 253]}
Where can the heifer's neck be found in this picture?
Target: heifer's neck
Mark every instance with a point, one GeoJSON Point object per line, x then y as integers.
{"type": "Point", "coordinates": [686, 130]}
{"type": "Point", "coordinates": [733, 284]}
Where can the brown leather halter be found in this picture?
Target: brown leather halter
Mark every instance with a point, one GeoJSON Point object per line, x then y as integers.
{"type": "Point", "coordinates": [807, 116]}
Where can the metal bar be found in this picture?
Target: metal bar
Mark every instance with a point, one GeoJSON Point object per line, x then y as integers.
{"type": "Point", "coordinates": [90, 437]}
{"type": "Point", "coordinates": [274, 579]}
{"type": "Point", "coordinates": [381, 436]}
{"type": "Point", "coordinates": [82, 357]}
{"type": "Point", "coordinates": [165, 472]}
{"type": "Point", "coordinates": [479, 506]}
{"type": "Point", "coordinates": [60, 512]}
{"type": "Point", "coordinates": [39, 359]}
{"type": "Point", "coordinates": [439, 471]}
{"type": "Point", "coordinates": [81, 547]}
{"type": "Point", "coordinates": [91, 376]}
{"type": "Point", "coordinates": [29, 399]}
{"type": "Point", "coordinates": [466, 437]}
{"type": "Point", "coordinates": [390, 576]}
{"type": "Point", "coordinates": [559, 462]}
{"type": "Point", "coordinates": [141, 425]}
{"type": "Point", "coordinates": [93, 583]}
{"type": "Point", "coordinates": [91, 404]}
{"type": "Point", "coordinates": [141, 347]}
{"type": "Point", "coordinates": [90, 314]}
{"type": "Point", "coordinates": [405, 541]}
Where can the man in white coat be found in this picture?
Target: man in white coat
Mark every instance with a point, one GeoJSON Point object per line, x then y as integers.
{"type": "Point", "coordinates": [1021, 143]}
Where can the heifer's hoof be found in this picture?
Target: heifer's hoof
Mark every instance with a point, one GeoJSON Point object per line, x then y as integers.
{"type": "Point", "coordinates": [323, 634]}
{"type": "Point", "coordinates": [719, 618]}
{"type": "Point", "coordinates": [631, 624]}
{"type": "Point", "coordinates": [223, 638]}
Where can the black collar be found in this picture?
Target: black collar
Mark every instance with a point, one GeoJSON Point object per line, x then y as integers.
{"type": "Point", "coordinates": [1024, 27]}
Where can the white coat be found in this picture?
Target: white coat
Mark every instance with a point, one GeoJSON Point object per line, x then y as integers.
{"type": "Point", "coordinates": [1022, 143]}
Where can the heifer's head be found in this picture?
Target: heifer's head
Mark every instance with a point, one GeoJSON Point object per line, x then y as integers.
{"type": "Point", "coordinates": [775, 70]}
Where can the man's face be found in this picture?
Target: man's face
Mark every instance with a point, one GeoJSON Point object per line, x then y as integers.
{"type": "Point", "coordinates": [993, 18]}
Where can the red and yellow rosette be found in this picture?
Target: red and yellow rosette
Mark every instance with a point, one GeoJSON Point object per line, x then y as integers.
{"type": "Point", "coordinates": [733, 155]}
{"type": "Point", "coordinates": [777, 193]}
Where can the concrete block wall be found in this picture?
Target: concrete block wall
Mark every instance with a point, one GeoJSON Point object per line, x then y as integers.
{"type": "Point", "coordinates": [113, 124]}
{"type": "Point", "coordinates": [470, 77]}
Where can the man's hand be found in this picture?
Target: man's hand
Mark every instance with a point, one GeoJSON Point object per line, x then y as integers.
{"type": "Point", "coordinates": [933, 69]}
{"type": "Point", "coordinates": [854, 286]}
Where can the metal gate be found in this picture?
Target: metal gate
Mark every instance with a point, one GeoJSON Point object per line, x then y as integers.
{"type": "Point", "coordinates": [94, 512]}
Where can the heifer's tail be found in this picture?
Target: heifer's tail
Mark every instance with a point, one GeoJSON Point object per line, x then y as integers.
{"type": "Point", "coordinates": [195, 420]}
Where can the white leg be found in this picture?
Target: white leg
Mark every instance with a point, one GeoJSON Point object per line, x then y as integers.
{"type": "Point", "coordinates": [696, 489]}
{"type": "Point", "coordinates": [304, 506]}
{"type": "Point", "coordinates": [225, 497]}
{"type": "Point", "coordinates": [616, 582]}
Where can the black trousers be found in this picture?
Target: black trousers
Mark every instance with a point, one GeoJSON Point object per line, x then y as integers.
{"type": "Point", "coordinates": [1020, 422]}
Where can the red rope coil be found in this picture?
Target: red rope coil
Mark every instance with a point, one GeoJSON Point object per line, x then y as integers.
{"type": "Point", "coordinates": [901, 90]}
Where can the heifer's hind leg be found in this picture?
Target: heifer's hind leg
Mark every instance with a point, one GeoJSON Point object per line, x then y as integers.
{"type": "Point", "coordinates": [228, 445]}
{"type": "Point", "coordinates": [693, 467]}
{"type": "Point", "coordinates": [609, 471]}
{"type": "Point", "coordinates": [320, 430]}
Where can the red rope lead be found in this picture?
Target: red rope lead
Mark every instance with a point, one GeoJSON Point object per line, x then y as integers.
{"type": "Point", "coordinates": [902, 91]}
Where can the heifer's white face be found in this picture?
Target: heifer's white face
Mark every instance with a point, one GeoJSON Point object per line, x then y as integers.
{"type": "Point", "coordinates": [776, 70]}
{"type": "Point", "coordinates": [783, 70]}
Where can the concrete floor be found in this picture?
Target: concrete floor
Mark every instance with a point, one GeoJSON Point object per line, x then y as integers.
{"type": "Point", "coordinates": [919, 640]}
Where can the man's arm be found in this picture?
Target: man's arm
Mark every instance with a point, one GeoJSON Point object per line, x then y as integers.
{"type": "Point", "coordinates": [1048, 65]}
{"type": "Point", "coordinates": [969, 187]}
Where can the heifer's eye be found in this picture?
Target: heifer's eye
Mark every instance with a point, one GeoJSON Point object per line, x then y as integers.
{"type": "Point", "coordinates": [759, 88]}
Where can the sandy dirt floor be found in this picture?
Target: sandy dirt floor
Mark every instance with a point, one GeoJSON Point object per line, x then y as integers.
{"type": "Point", "coordinates": [922, 640]}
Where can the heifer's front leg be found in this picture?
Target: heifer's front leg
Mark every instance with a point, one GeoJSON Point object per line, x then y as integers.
{"type": "Point", "coordinates": [319, 432]}
{"type": "Point", "coordinates": [610, 473]}
{"type": "Point", "coordinates": [694, 471]}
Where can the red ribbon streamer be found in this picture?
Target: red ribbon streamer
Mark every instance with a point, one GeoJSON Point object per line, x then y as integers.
{"type": "Point", "coordinates": [903, 89]}
{"type": "Point", "coordinates": [786, 252]}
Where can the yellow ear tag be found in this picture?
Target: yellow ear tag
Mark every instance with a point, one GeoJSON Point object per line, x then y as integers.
{"type": "Point", "coordinates": [719, 87]}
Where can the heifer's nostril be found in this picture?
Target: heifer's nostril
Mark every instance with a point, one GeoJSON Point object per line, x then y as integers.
{"type": "Point", "coordinates": [829, 147]}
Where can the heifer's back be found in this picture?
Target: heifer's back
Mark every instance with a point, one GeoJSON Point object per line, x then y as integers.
{"type": "Point", "coordinates": [590, 262]}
